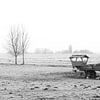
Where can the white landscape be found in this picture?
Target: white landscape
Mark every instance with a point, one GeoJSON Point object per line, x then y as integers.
{"type": "Point", "coordinates": [47, 77]}
{"type": "Point", "coordinates": [37, 38]}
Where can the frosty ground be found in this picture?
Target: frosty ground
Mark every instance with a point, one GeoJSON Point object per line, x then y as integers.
{"type": "Point", "coordinates": [31, 82]}
{"type": "Point", "coordinates": [45, 77]}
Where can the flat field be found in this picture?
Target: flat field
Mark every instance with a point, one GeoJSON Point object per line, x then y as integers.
{"type": "Point", "coordinates": [45, 77]}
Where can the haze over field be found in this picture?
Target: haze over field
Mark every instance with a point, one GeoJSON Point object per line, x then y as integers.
{"type": "Point", "coordinates": [53, 24]}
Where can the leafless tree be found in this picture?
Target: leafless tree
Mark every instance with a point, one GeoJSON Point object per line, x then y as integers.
{"type": "Point", "coordinates": [24, 44]}
{"type": "Point", "coordinates": [14, 43]}
{"type": "Point", "coordinates": [18, 43]}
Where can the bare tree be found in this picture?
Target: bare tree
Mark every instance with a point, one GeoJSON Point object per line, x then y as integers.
{"type": "Point", "coordinates": [18, 43]}
{"type": "Point", "coordinates": [24, 45]}
{"type": "Point", "coordinates": [14, 43]}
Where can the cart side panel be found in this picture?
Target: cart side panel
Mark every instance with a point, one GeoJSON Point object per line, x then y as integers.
{"type": "Point", "coordinates": [96, 67]}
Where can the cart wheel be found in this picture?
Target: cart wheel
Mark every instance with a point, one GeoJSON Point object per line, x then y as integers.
{"type": "Point", "coordinates": [93, 74]}
{"type": "Point", "coordinates": [90, 74]}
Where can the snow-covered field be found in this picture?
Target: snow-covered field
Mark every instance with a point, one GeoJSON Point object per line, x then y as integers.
{"type": "Point", "coordinates": [46, 59]}
{"type": "Point", "coordinates": [47, 77]}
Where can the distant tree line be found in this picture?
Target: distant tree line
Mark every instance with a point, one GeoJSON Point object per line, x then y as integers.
{"type": "Point", "coordinates": [83, 51]}
{"type": "Point", "coordinates": [47, 51]}
{"type": "Point", "coordinates": [43, 51]}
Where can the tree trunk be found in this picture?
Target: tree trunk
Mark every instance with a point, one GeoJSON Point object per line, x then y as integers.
{"type": "Point", "coordinates": [23, 59]}
{"type": "Point", "coordinates": [16, 59]}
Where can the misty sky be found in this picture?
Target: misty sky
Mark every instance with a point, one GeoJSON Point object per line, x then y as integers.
{"type": "Point", "coordinates": [53, 24]}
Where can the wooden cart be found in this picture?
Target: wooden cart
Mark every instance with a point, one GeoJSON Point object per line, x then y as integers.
{"type": "Point", "coordinates": [79, 62]}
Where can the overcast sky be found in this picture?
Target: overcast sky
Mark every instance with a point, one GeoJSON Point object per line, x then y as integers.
{"type": "Point", "coordinates": [53, 24]}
